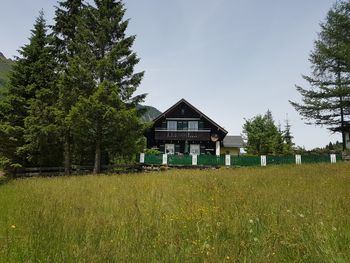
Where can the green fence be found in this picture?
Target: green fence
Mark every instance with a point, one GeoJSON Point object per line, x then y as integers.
{"type": "Point", "coordinates": [211, 160]}
{"type": "Point", "coordinates": [242, 160]}
{"type": "Point", "coordinates": [235, 161]}
{"type": "Point", "coordinates": [156, 159]}
{"type": "Point", "coordinates": [184, 160]}
{"type": "Point", "coordinates": [289, 159]}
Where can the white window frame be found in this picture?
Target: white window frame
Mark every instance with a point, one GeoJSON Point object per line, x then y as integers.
{"type": "Point", "coordinates": [172, 125]}
{"type": "Point", "coordinates": [193, 125]}
{"type": "Point", "coordinates": [195, 149]}
{"type": "Point", "coordinates": [169, 148]}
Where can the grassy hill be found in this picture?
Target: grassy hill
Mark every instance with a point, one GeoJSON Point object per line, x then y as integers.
{"type": "Point", "coordinates": [5, 67]}
{"type": "Point", "coordinates": [273, 214]}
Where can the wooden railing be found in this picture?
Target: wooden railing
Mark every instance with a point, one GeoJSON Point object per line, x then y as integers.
{"type": "Point", "coordinates": [182, 135]}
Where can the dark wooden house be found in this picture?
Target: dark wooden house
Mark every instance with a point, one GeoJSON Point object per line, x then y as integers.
{"type": "Point", "coordinates": [183, 129]}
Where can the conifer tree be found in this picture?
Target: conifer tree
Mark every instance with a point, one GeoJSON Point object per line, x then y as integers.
{"type": "Point", "coordinates": [27, 102]}
{"type": "Point", "coordinates": [288, 138]}
{"type": "Point", "coordinates": [109, 115]}
{"type": "Point", "coordinates": [74, 77]}
{"type": "Point", "coordinates": [327, 102]}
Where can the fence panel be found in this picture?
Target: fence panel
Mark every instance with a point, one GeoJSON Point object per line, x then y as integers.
{"type": "Point", "coordinates": [180, 160]}
{"type": "Point", "coordinates": [339, 157]}
{"type": "Point", "coordinates": [156, 159]}
{"type": "Point", "coordinates": [290, 159]}
{"type": "Point", "coordinates": [315, 158]}
{"type": "Point", "coordinates": [245, 160]}
{"type": "Point", "coordinates": [211, 160]}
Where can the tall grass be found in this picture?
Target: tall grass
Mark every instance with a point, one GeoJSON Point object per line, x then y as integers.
{"type": "Point", "coordinates": [274, 214]}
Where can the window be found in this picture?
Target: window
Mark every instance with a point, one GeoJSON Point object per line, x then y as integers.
{"type": "Point", "coordinates": [172, 125]}
{"type": "Point", "coordinates": [193, 125]}
{"type": "Point", "coordinates": [195, 149]}
{"type": "Point", "coordinates": [182, 125]}
{"type": "Point", "coordinates": [169, 148]}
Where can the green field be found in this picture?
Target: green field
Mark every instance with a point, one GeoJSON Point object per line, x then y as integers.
{"type": "Point", "coordinates": [274, 214]}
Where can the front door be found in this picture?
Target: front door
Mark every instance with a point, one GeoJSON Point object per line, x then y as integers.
{"type": "Point", "coordinates": [195, 149]}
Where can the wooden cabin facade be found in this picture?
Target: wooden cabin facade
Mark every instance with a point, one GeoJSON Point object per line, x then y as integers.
{"type": "Point", "coordinates": [183, 129]}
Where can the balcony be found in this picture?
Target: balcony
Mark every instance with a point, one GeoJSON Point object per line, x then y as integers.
{"type": "Point", "coordinates": [182, 135]}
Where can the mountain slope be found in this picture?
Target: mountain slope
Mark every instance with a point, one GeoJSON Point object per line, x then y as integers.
{"type": "Point", "coordinates": [150, 113]}
{"type": "Point", "coordinates": [5, 67]}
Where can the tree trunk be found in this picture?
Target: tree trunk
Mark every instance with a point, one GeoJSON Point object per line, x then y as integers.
{"type": "Point", "coordinates": [342, 123]}
{"type": "Point", "coordinates": [97, 165]}
{"type": "Point", "coordinates": [67, 154]}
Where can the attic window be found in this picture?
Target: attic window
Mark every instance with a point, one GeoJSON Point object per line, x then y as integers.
{"type": "Point", "coordinates": [182, 111]}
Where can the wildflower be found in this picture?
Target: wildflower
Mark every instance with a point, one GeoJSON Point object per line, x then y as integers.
{"type": "Point", "coordinates": [302, 215]}
{"type": "Point", "coordinates": [13, 226]}
{"type": "Point", "coordinates": [288, 211]}
{"type": "Point", "coordinates": [251, 221]}
{"type": "Point", "coordinates": [255, 239]}
{"type": "Point", "coordinates": [227, 257]}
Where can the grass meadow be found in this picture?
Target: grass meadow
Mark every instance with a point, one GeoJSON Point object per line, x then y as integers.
{"type": "Point", "coordinates": [274, 214]}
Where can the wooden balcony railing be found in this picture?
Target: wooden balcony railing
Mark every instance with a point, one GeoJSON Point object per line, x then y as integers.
{"type": "Point", "coordinates": [182, 135]}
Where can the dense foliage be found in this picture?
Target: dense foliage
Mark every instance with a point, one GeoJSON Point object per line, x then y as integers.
{"type": "Point", "coordinates": [264, 137]}
{"type": "Point", "coordinates": [327, 101]}
{"type": "Point", "coordinates": [71, 92]}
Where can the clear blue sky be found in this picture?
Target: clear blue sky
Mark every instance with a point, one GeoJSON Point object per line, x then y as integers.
{"type": "Point", "coordinates": [232, 59]}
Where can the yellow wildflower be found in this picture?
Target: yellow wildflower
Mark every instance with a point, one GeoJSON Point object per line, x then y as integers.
{"type": "Point", "coordinates": [13, 226]}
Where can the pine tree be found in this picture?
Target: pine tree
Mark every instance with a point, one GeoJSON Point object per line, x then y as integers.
{"type": "Point", "coordinates": [28, 97]}
{"type": "Point", "coordinates": [74, 77]}
{"type": "Point", "coordinates": [278, 145]}
{"type": "Point", "coordinates": [263, 136]}
{"type": "Point", "coordinates": [327, 102]}
{"type": "Point", "coordinates": [288, 138]}
{"type": "Point", "coordinates": [109, 115]}
{"type": "Point", "coordinates": [41, 133]}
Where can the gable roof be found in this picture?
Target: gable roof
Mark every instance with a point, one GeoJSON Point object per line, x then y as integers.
{"type": "Point", "coordinates": [195, 109]}
{"type": "Point", "coordinates": [233, 141]}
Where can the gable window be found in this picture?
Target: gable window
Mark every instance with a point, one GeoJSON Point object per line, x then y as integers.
{"type": "Point", "coordinates": [193, 125]}
{"type": "Point", "coordinates": [172, 125]}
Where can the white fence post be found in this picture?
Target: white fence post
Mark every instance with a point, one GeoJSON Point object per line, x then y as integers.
{"type": "Point", "coordinates": [298, 159]}
{"type": "Point", "coordinates": [165, 159]}
{"type": "Point", "coordinates": [142, 157]}
{"type": "Point", "coordinates": [217, 148]}
{"type": "Point", "coordinates": [263, 160]}
{"type": "Point", "coordinates": [194, 159]}
{"type": "Point", "coordinates": [333, 158]}
{"type": "Point", "coordinates": [227, 160]}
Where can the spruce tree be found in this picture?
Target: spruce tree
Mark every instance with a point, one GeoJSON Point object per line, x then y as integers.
{"type": "Point", "coordinates": [74, 77]}
{"type": "Point", "coordinates": [29, 98]}
{"type": "Point", "coordinates": [327, 102]}
{"type": "Point", "coordinates": [109, 114]}
{"type": "Point", "coordinates": [288, 138]}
